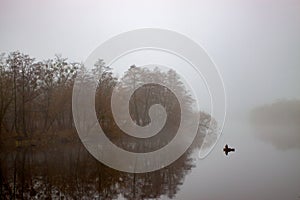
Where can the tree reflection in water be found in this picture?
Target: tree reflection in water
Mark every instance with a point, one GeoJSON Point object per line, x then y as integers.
{"type": "Point", "coordinates": [71, 172]}
{"type": "Point", "coordinates": [68, 171]}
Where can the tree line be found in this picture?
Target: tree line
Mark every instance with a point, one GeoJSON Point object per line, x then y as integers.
{"type": "Point", "coordinates": [36, 97]}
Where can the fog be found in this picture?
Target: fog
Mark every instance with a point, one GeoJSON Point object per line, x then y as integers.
{"type": "Point", "coordinates": [254, 44]}
{"type": "Point", "coordinates": [278, 123]}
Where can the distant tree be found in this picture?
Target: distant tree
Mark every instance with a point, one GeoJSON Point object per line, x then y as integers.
{"type": "Point", "coordinates": [23, 86]}
{"type": "Point", "coordinates": [6, 90]}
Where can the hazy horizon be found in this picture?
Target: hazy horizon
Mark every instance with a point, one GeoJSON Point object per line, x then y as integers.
{"type": "Point", "coordinates": [255, 44]}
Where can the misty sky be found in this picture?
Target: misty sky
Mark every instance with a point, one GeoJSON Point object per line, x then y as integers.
{"type": "Point", "coordinates": [254, 43]}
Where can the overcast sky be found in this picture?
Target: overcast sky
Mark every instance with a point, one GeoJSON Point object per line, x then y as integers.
{"type": "Point", "coordinates": [254, 43]}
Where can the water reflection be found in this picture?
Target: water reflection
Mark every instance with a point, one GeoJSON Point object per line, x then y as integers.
{"type": "Point", "coordinates": [70, 172]}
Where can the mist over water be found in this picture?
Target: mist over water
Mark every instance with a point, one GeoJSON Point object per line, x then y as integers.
{"type": "Point", "coordinates": [255, 45]}
{"type": "Point", "coordinates": [278, 123]}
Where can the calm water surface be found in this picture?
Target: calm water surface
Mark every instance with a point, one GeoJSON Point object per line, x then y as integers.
{"type": "Point", "coordinates": [257, 170]}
